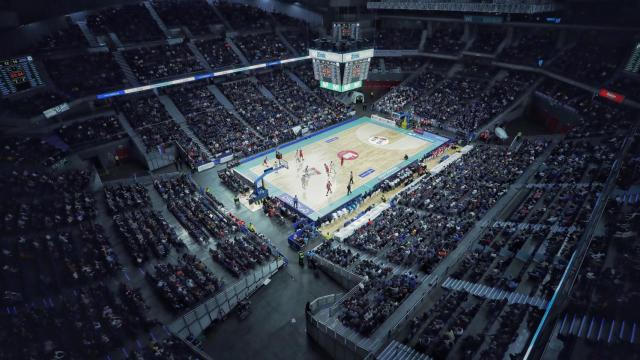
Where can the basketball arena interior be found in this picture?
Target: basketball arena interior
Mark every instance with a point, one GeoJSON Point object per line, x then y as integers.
{"type": "Point", "coordinates": [320, 179]}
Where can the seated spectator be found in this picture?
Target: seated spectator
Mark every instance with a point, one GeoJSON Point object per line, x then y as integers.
{"type": "Point", "coordinates": [261, 48]}
{"type": "Point", "coordinates": [185, 283]}
{"type": "Point", "coordinates": [314, 113]}
{"type": "Point", "coordinates": [446, 39]}
{"type": "Point", "coordinates": [157, 62]}
{"type": "Point", "coordinates": [144, 232]}
{"type": "Point", "coordinates": [300, 40]}
{"type": "Point", "coordinates": [68, 37]}
{"type": "Point", "coordinates": [198, 16]}
{"type": "Point", "coordinates": [131, 23]}
{"type": "Point", "coordinates": [242, 16]}
{"type": "Point", "coordinates": [266, 116]}
{"type": "Point", "coordinates": [34, 104]}
{"type": "Point", "coordinates": [216, 128]}
{"type": "Point", "coordinates": [529, 48]}
{"type": "Point", "coordinates": [92, 74]}
{"type": "Point", "coordinates": [401, 38]}
{"type": "Point", "coordinates": [594, 58]}
{"type": "Point", "coordinates": [217, 52]}
{"type": "Point", "coordinates": [373, 303]}
{"type": "Point", "coordinates": [487, 39]}
{"type": "Point", "coordinates": [93, 131]}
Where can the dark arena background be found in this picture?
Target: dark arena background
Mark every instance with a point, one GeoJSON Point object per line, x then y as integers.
{"type": "Point", "coordinates": [320, 179]}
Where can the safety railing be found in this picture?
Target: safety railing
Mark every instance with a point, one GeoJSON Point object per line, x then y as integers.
{"type": "Point", "coordinates": [195, 321]}
{"type": "Point", "coordinates": [323, 301]}
{"type": "Point", "coordinates": [338, 270]}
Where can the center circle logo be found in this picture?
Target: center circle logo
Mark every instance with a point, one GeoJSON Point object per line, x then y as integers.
{"type": "Point", "coordinates": [379, 140]}
{"type": "Point", "coordinates": [348, 155]}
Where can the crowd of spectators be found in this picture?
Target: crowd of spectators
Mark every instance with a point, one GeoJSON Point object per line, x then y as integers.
{"type": "Point", "coordinates": [596, 117]}
{"type": "Point", "coordinates": [195, 211]}
{"type": "Point", "coordinates": [266, 116]}
{"type": "Point", "coordinates": [261, 47]}
{"type": "Point", "coordinates": [86, 74]}
{"type": "Point", "coordinates": [152, 122]}
{"type": "Point", "coordinates": [555, 211]}
{"type": "Point", "coordinates": [376, 300]}
{"type": "Point", "coordinates": [120, 198]}
{"type": "Point", "coordinates": [170, 348]}
{"type": "Point", "coordinates": [64, 207]}
{"type": "Point", "coordinates": [337, 254]}
{"type": "Point", "coordinates": [396, 99]}
{"type": "Point", "coordinates": [101, 129]}
{"type": "Point", "coordinates": [398, 38]}
{"type": "Point", "coordinates": [231, 180]}
{"type": "Point", "coordinates": [157, 62]}
{"type": "Point", "coordinates": [242, 17]}
{"type": "Point", "coordinates": [288, 21]}
{"type": "Point", "coordinates": [184, 283]}
{"type": "Point", "coordinates": [402, 64]}
{"type": "Point", "coordinates": [145, 231]}
{"type": "Point", "coordinates": [449, 203]}
{"type": "Point", "coordinates": [443, 105]}
{"type": "Point", "coordinates": [49, 242]}
{"type": "Point", "coordinates": [627, 86]}
{"type": "Point", "coordinates": [630, 170]}
{"type": "Point", "coordinates": [131, 23]}
{"type": "Point", "coordinates": [216, 128]}
{"type": "Point", "coordinates": [606, 280]}
{"type": "Point", "coordinates": [314, 113]}
{"type": "Point", "coordinates": [593, 59]}
{"type": "Point", "coordinates": [446, 39]}
{"type": "Point", "coordinates": [141, 229]}
{"type": "Point", "coordinates": [204, 218]}
{"type": "Point", "coordinates": [241, 253]}
{"type": "Point", "coordinates": [68, 37]}
{"type": "Point", "coordinates": [487, 40]}
{"type": "Point", "coordinates": [529, 48]}
{"type": "Point", "coordinates": [30, 151]}
{"type": "Point", "coordinates": [89, 323]}
{"type": "Point", "coordinates": [579, 161]}
{"type": "Point", "coordinates": [300, 40]}
{"type": "Point", "coordinates": [489, 103]}
{"type": "Point", "coordinates": [34, 104]}
{"type": "Point", "coordinates": [479, 71]}
{"type": "Point", "coordinates": [217, 53]}
{"type": "Point", "coordinates": [196, 15]}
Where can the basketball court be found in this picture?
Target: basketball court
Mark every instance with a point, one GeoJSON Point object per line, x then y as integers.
{"type": "Point", "coordinates": [372, 150]}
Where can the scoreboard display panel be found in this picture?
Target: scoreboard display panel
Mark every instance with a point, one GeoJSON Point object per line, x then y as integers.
{"type": "Point", "coordinates": [346, 31]}
{"type": "Point", "coordinates": [356, 71]}
{"type": "Point", "coordinates": [18, 74]}
{"type": "Point", "coordinates": [326, 71]}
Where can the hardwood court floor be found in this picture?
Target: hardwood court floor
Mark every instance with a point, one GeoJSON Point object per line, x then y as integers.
{"type": "Point", "coordinates": [376, 150]}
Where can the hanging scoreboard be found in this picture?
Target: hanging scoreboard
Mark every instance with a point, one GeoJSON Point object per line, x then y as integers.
{"type": "Point", "coordinates": [345, 31]}
{"type": "Point", "coordinates": [326, 71]}
{"type": "Point", "coordinates": [356, 71]}
{"type": "Point", "coordinates": [328, 67]}
{"type": "Point", "coordinates": [18, 74]}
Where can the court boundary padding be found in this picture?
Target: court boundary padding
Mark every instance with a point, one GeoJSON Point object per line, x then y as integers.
{"type": "Point", "coordinates": [244, 168]}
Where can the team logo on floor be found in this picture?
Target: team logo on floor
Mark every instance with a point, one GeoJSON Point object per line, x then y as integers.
{"type": "Point", "coordinates": [348, 155]}
{"type": "Point", "coordinates": [379, 140]}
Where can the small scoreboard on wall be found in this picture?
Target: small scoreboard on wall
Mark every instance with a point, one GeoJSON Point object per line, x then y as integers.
{"type": "Point", "coordinates": [18, 74]}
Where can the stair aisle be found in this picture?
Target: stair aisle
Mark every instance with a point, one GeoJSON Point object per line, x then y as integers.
{"type": "Point", "coordinates": [158, 20]}
{"type": "Point", "coordinates": [488, 292]}
{"type": "Point", "coordinates": [126, 69]}
{"type": "Point", "coordinates": [237, 51]}
{"type": "Point", "coordinates": [177, 116]}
